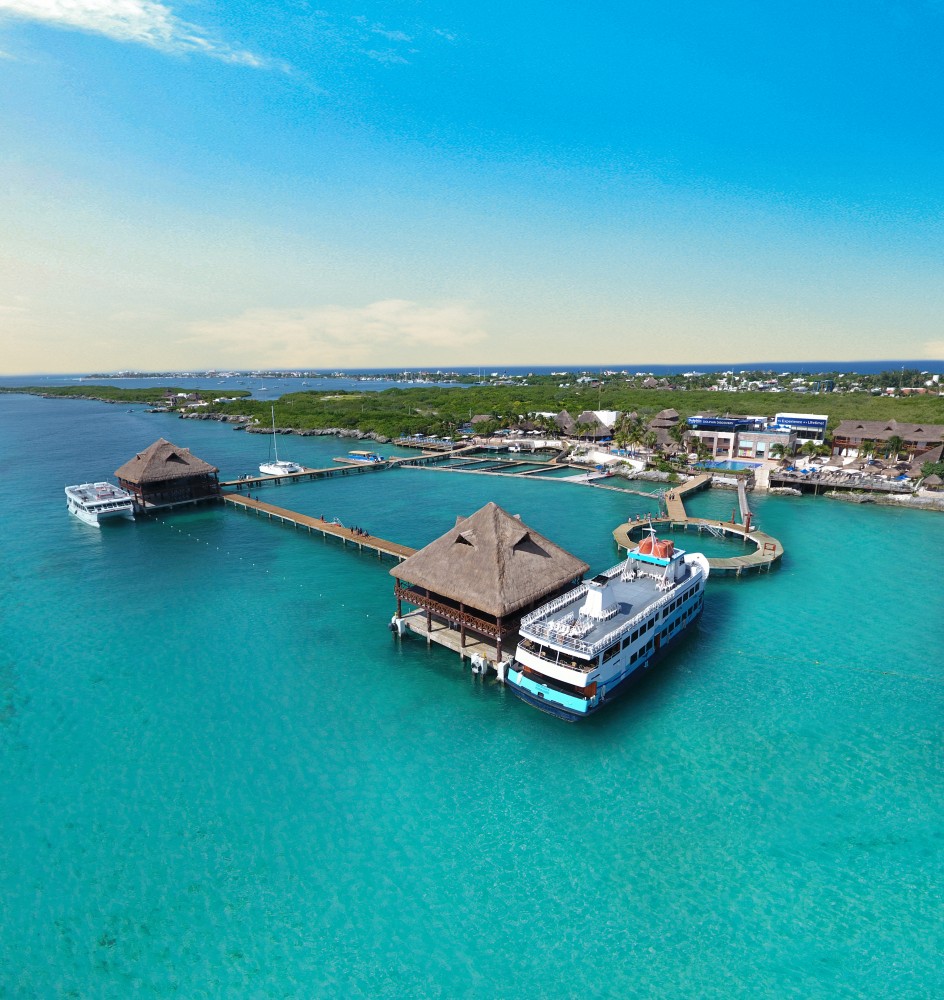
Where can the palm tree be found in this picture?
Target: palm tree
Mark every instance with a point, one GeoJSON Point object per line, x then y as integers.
{"type": "Point", "coordinates": [782, 450]}
{"type": "Point", "coordinates": [651, 440]}
{"type": "Point", "coordinates": [894, 445]}
{"type": "Point", "coordinates": [702, 451]}
{"type": "Point", "coordinates": [678, 432]}
{"type": "Point", "coordinates": [810, 449]}
{"type": "Point", "coordinates": [635, 434]}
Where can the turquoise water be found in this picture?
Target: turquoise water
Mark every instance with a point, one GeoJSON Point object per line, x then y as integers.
{"type": "Point", "coordinates": [221, 775]}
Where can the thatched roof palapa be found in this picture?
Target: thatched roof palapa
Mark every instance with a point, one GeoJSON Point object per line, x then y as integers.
{"type": "Point", "coordinates": [161, 462]}
{"type": "Point", "coordinates": [493, 562]}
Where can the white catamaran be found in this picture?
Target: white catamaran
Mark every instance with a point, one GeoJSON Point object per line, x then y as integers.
{"type": "Point", "coordinates": [97, 502]}
{"type": "Point", "coordinates": [277, 468]}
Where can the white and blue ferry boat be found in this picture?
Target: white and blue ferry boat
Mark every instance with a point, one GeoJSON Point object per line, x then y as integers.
{"type": "Point", "coordinates": [585, 647]}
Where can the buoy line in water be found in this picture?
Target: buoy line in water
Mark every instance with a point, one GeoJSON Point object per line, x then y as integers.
{"type": "Point", "coordinates": [180, 531]}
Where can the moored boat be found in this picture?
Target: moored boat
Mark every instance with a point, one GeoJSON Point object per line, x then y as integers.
{"type": "Point", "coordinates": [276, 467]}
{"type": "Point", "coordinates": [363, 456]}
{"type": "Point", "coordinates": [584, 648]}
{"type": "Point", "coordinates": [97, 502]}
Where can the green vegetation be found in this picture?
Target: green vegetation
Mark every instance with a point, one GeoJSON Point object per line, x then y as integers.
{"type": "Point", "coordinates": [933, 469]}
{"type": "Point", "coordinates": [155, 396]}
{"type": "Point", "coordinates": [434, 410]}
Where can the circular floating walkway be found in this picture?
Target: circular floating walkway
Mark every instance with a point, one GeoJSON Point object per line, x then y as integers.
{"type": "Point", "coordinates": [767, 553]}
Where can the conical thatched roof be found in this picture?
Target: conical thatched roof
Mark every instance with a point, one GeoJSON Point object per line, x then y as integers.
{"type": "Point", "coordinates": [565, 422]}
{"type": "Point", "coordinates": [163, 461]}
{"type": "Point", "coordinates": [491, 561]}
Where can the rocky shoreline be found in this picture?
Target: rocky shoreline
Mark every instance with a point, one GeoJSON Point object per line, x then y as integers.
{"type": "Point", "coordinates": [250, 428]}
{"type": "Point", "coordinates": [889, 499]}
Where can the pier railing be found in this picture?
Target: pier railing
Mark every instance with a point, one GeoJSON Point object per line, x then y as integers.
{"type": "Point", "coordinates": [456, 615]}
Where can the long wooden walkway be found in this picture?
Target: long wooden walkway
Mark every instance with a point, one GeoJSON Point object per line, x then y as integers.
{"type": "Point", "coordinates": [252, 482]}
{"type": "Point", "coordinates": [345, 467]}
{"type": "Point", "coordinates": [673, 497]}
{"type": "Point", "coordinates": [381, 546]}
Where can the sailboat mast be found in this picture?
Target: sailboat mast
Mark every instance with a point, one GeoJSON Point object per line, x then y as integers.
{"type": "Point", "coordinates": [275, 445]}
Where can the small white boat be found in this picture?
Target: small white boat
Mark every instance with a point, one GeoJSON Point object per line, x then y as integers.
{"type": "Point", "coordinates": [97, 502]}
{"type": "Point", "coordinates": [276, 467]}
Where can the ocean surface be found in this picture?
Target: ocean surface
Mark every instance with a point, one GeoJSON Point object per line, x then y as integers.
{"type": "Point", "coordinates": [221, 775]}
{"type": "Point", "coordinates": [266, 387]}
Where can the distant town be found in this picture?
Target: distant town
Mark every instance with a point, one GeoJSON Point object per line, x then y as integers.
{"type": "Point", "coordinates": [894, 382]}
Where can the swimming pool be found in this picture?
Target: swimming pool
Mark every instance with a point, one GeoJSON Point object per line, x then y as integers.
{"type": "Point", "coordinates": [728, 464]}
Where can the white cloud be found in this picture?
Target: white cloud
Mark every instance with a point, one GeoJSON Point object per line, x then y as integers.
{"type": "Point", "coordinates": [389, 57]}
{"type": "Point", "coordinates": [145, 22]}
{"type": "Point", "coordinates": [339, 336]}
{"type": "Point", "coordinates": [394, 36]}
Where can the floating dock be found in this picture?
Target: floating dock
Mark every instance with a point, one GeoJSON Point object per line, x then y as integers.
{"type": "Point", "coordinates": [767, 552]}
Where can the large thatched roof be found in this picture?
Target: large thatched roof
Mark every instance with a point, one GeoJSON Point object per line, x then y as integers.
{"type": "Point", "coordinates": [882, 430]}
{"type": "Point", "coordinates": [491, 561]}
{"type": "Point", "coordinates": [163, 461]}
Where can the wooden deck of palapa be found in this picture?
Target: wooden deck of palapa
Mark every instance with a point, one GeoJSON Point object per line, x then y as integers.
{"type": "Point", "coordinates": [326, 528]}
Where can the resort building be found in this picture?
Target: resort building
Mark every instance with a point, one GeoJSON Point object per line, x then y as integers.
{"type": "Point", "coordinates": [807, 426]}
{"type": "Point", "coordinates": [661, 425]}
{"type": "Point", "coordinates": [472, 585]}
{"type": "Point", "coordinates": [591, 425]}
{"type": "Point", "coordinates": [732, 436]}
{"type": "Point", "coordinates": [759, 444]}
{"type": "Point", "coordinates": [164, 475]}
{"type": "Point", "coordinates": [872, 435]}
{"type": "Point", "coordinates": [723, 435]}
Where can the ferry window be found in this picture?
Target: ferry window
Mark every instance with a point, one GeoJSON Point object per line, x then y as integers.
{"type": "Point", "coordinates": [608, 654]}
{"type": "Point", "coordinates": [632, 659]}
{"type": "Point", "coordinates": [634, 636]}
{"type": "Point", "coordinates": [627, 641]}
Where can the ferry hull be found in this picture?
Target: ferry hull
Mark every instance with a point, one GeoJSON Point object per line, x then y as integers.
{"type": "Point", "coordinates": [95, 520]}
{"type": "Point", "coordinates": [551, 707]}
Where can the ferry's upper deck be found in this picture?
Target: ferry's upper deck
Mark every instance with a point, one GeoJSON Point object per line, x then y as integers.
{"type": "Point", "coordinates": [100, 495]}
{"type": "Point", "coordinates": [592, 616]}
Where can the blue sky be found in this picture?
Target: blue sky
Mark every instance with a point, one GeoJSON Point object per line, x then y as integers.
{"type": "Point", "coordinates": [248, 184]}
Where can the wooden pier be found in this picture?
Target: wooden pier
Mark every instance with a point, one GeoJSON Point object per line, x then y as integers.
{"type": "Point", "coordinates": [253, 482]}
{"type": "Point", "coordinates": [381, 546]}
{"type": "Point", "coordinates": [767, 552]}
{"type": "Point", "coordinates": [673, 497]}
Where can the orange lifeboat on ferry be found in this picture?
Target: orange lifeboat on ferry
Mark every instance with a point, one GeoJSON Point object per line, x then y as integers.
{"type": "Point", "coordinates": [656, 547]}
